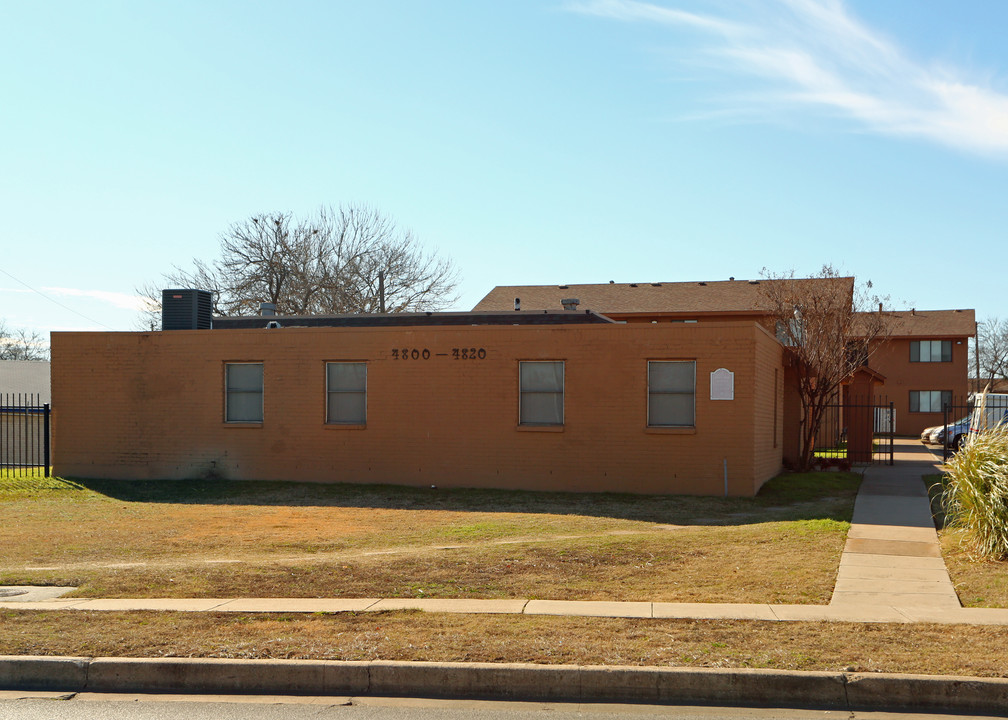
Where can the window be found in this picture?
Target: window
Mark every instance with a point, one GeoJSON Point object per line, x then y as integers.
{"type": "Point", "coordinates": [931, 351]}
{"type": "Point", "coordinates": [244, 390]}
{"type": "Point", "coordinates": [346, 393]}
{"type": "Point", "coordinates": [791, 333]}
{"type": "Point", "coordinates": [671, 393]}
{"type": "Point", "coordinates": [541, 393]}
{"type": "Point", "coordinates": [929, 400]}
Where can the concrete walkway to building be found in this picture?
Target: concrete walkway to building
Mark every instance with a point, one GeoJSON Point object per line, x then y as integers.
{"type": "Point", "coordinates": [892, 557]}
{"type": "Point", "coordinates": [891, 570]}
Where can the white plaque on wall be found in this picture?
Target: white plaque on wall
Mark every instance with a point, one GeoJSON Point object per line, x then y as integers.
{"type": "Point", "coordinates": [722, 385]}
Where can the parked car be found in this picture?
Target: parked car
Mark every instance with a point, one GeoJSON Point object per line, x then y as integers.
{"type": "Point", "coordinates": [952, 434]}
{"type": "Point", "coordinates": [930, 435]}
{"type": "Point", "coordinates": [995, 413]}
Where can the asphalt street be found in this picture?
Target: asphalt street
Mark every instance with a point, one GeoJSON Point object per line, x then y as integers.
{"type": "Point", "coordinates": [90, 706]}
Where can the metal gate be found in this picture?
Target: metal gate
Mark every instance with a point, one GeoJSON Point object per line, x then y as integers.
{"type": "Point", "coordinates": [24, 435]}
{"type": "Point", "coordinates": [856, 432]}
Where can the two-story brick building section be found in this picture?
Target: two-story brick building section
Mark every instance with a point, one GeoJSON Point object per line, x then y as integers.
{"type": "Point", "coordinates": [921, 364]}
{"type": "Point", "coordinates": [925, 361]}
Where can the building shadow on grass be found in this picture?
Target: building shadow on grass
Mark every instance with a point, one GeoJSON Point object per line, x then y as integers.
{"type": "Point", "coordinates": [798, 496]}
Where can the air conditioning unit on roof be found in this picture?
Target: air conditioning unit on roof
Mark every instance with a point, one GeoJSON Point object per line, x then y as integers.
{"type": "Point", "coordinates": [186, 309]}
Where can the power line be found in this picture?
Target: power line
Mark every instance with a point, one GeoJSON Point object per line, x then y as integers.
{"type": "Point", "coordinates": [54, 301]}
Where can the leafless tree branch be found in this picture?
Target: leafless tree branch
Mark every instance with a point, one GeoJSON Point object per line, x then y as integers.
{"type": "Point", "coordinates": [830, 327]}
{"type": "Point", "coordinates": [325, 264]}
{"type": "Point", "coordinates": [992, 343]}
{"type": "Point", "coordinates": [21, 344]}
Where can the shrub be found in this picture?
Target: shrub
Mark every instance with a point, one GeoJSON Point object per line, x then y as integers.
{"type": "Point", "coordinates": [976, 493]}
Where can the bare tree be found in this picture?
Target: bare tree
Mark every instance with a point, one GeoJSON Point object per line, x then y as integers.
{"type": "Point", "coordinates": [21, 344]}
{"type": "Point", "coordinates": [990, 355]}
{"type": "Point", "coordinates": [337, 261]}
{"type": "Point", "coordinates": [828, 332]}
{"type": "Point", "coordinates": [410, 278]}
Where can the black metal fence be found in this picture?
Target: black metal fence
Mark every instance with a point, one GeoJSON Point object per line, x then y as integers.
{"type": "Point", "coordinates": [24, 435]}
{"type": "Point", "coordinates": [856, 432]}
{"type": "Point", "coordinates": [960, 417]}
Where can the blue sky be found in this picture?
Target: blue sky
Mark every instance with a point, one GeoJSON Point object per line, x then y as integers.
{"type": "Point", "coordinates": [532, 142]}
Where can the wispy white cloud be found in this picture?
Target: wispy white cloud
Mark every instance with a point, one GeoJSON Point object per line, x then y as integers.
{"type": "Point", "coordinates": [814, 53]}
{"type": "Point", "coordinates": [123, 301]}
{"type": "Point", "coordinates": [628, 10]}
{"type": "Point", "coordinates": [76, 328]}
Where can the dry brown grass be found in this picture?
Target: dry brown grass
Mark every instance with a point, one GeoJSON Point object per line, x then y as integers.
{"type": "Point", "coordinates": [930, 649]}
{"type": "Point", "coordinates": [980, 583]}
{"type": "Point", "coordinates": [296, 540]}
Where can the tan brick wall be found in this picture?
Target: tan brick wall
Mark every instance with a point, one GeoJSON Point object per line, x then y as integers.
{"type": "Point", "coordinates": [791, 408]}
{"type": "Point", "coordinates": [151, 405]}
{"type": "Point", "coordinates": [768, 442]}
{"type": "Point", "coordinates": [892, 359]}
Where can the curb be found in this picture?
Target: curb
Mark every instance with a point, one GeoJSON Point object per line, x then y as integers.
{"type": "Point", "coordinates": [513, 681]}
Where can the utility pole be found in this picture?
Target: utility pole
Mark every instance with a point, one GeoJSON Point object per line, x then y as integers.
{"type": "Point", "coordinates": [976, 352]}
{"type": "Point", "coordinates": [381, 291]}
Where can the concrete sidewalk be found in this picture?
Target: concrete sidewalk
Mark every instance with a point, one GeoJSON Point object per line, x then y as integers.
{"type": "Point", "coordinates": [892, 557]}
{"type": "Point", "coordinates": [891, 571]}
{"type": "Point", "coordinates": [853, 612]}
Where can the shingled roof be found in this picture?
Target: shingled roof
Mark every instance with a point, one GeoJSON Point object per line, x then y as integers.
{"type": "Point", "coordinates": [931, 323]}
{"type": "Point", "coordinates": [724, 296]}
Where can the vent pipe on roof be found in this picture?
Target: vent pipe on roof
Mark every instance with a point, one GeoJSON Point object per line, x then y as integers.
{"type": "Point", "coordinates": [880, 307]}
{"type": "Point", "coordinates": [517, 304]}
{"type": "Point", "coordinates": [570, 303]}
{"type": "Point", "coordinates": [267, 309]}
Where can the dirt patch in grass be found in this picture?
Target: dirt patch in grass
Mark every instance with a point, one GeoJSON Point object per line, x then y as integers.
{"type": "Point", "coordinates": [929, 649]}
{"type": "Point", "coordinates": [223, 539]}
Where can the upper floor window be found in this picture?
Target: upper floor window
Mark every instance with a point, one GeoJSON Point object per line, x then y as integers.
{"type": "Point", "coordinates": [932, 401]}
{"type": "Point", "coordinates": [671, 393]}
{"type": "Point", "coordinates": [346, 393]}
{"type": "Point", "coordinates": [243, 383]}
{"type": "Point", "coordinates": [792, 332]}
{"type": "Point", "coordinates": [931, 351]}
{"type": "Point", "coordinates": [541, 392]}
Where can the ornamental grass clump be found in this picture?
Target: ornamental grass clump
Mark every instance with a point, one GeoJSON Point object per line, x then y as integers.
{"type": "Point", "coordinates": [975, 499]}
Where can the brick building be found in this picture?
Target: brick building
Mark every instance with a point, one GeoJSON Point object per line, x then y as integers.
{"type": "Point", "coordinates": [673, 388]}
{"type": "Point", "coordinates": [544, 401]}
{"type": "Point", "coordinates": [925, 362]}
